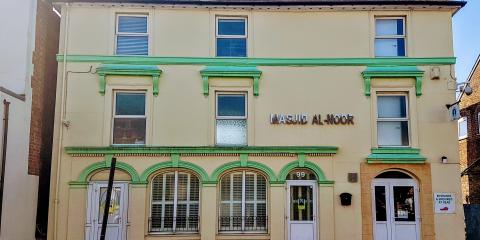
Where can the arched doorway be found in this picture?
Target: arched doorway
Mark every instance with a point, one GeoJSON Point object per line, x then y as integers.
{"type": "Point", "coordinates": [302, 204]}
{"type": "Point", "coordinates": [396, 209]}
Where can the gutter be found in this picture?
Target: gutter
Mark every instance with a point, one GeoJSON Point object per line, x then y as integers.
{"type": "Point", "coordinates": [6, 113]}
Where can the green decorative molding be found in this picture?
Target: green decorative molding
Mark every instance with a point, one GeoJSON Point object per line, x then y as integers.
{"type": "Point", "coordinates": [171, 164]}
{"type": "Point", "coordinates": [237, 164]}
{"type": "Point", "coordinates": [392, 72]}
{"type": "Point", "coordinates": [128, 70]}
{"type": "Point", "coordinates": [205, 150]}
{"type": "Point", "coordinates": [396, 155]}
{"type": "Point", "coordinates": [82, 179]}
{"type": "Point", "coordinates": [282, 177]}
{"type": "Point", "coordinates": [230, 71]}
{"type": "Point", "coordinates": [218, 61]}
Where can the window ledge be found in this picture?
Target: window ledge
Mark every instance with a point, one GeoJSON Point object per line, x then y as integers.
{"type": "Point", "coordinates": [247, 235]}
{"type": "Point", "coordinates": [396, 155]}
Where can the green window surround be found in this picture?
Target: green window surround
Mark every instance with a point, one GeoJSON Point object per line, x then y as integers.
{"type": "Point", "coordinates": [396, 155]}
{"type": "Point", "coordinates": [128, 70]}
{"type": "Point", "coordinates": [392, 72]}
{"type": "Point", "coordinates": [230, 71]}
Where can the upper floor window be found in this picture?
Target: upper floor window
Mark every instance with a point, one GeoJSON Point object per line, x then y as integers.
{"type": "Point", "coordinates": [129, 118]}
{"type": "Point", "coordinates": [231, 37]}
{"type": "Point", "coordinates": [392, 120]}
{"type": "Point", "coordinates": [390, 37]}
{"type": "Point", "coordinates": [231, 119]}
{"type": "Point", "coordinates": [243, 202]}
{"type": "Point", "coordinates": [132, 35]}
{"type": "Point", "coordinates": [462, 128]}
{"type": "Point", "coordinates": [175, 202]}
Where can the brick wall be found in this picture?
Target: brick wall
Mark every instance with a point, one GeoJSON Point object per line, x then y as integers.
{"type": "Point", "coordinates": [470, 147]}
{"type": "Point", "coordinates": [43, 104]}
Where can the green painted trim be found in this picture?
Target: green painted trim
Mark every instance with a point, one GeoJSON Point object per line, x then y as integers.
{"type": "Point", "coordinates": [282, 177]}
{"type": "Point", "coordinates": [396, 155]}
{"type": "Point", "coordinates": [237, 164]}
{"type": "Point", "coordinates": [83, 177]}
{"type": "Point", "coordinates": [392, 72]}
{"type": "Point", "coordinates": [217, 61]}
{"type": "Point", "coordinates": [243, 160]}
{"type": "Point", "coordinates": [202, 150]}
{"type": "Point", "coordinates": [170, 164]}
{"type": "Point", "coordinates": [80, 185]}
{"type": "Point", "coordinates": [128, 70]}
{"type": "Point", "coordinates": [230, 71]}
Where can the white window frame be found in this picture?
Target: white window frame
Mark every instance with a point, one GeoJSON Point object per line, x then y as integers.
{"type": "Point", "coordinates": [404, 36]}
{"type": "Point", "coordinates": [217, 35]}
{"type": "Point", "coordinates": [114, 116]}
{"type": "Point", "coordinates": [405, 119]}
{"type": "Point", "coordinates": [478, 122]}
{"type": "Point", "coordinates": [217, 117]}
{"type": "Point", "coordinates": [117, 33]}
{"type": "Point", "coordinates": [175, 202]}
{"type": "Point", "coordinates": [243, 201]}
{"type": "Point", "coordinates": [461, 120]}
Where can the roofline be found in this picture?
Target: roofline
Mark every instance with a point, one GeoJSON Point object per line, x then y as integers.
{"type": "Point", "coordinates": [280, 2]}
{"type": "Point", "coordinates": [477, 63]}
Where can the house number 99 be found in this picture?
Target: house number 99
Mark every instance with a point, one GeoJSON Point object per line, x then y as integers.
{"type": "Point", "coordinates": [300, 174]}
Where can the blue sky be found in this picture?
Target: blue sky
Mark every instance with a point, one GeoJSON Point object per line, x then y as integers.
{"type": "Point", "coordinates": [466, 38]}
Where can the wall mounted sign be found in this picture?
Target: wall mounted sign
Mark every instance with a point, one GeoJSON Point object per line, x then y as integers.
{"type": "Point", "coordinates": [316, 119]}
{"type": "Point", "coordinates": [454, 112]}
{"type": "Point", "coordinates": [444, 202]}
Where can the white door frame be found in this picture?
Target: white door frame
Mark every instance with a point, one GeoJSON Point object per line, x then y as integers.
{"type": "Point", "coordinates": [313, 184]}
{"type": "Point", "coordinates": [93, 194]}
{"type": "Point", "coordinates": [389, 183]}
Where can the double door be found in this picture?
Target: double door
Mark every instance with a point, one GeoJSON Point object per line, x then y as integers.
{"type": "Point", "coordinates": [117, 213]}
{"type": "Point", "coordinates": [396, 209]}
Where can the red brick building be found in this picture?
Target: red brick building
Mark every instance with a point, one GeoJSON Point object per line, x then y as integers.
{"type": "Point", "coordinates": [469, 138]}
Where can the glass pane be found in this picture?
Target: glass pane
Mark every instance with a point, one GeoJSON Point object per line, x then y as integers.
{"type": "Point", "coordinates": [232, 105]}
{"type": "Point", "coordinates": [156, 221]}
{"type": "Point", "coordinates": [182, 187]}
{"type": "Point", "coordinates": [114, 209]}
{"type": "Point", "coordinates": [249, 187]}
{"type": "Point", "coordinates": [130, 104]}
{"type": "Point", "coordinates": [132, 45]}
{"type": "Point", "coordinates": [392, 106]}
{"type": "Point", "coordinates": [301, 174]}
{"type": "Point", "coordinates": [404, 203]}
{"type": "Point", "coordinates": [193, 218]}
{"type": "Point", "coordinates": [393, 133]}
{"type": "Point", "coordinates": [380, 204]}
{"type": "Point", "coordinates": [129, 131]}
{"type": "Point", "coordinates": [231, 27]}
{"type": "Point", "coordinates": [390, 47]}
{"type": "Point", "coordinates": [462, 128]}
{"type": "Point", "coordinates": [225, 188]}
{"type": "Point", "coordinates": [237, 187]}
{"type": "Point", "coordinates": [132, 24]}
{"type": "Point", "coordinates": [231, 47]}
{"type": "Point", "coordinates": [168, 218]}
{"type": "Point", "coordinates": [231, 132]}
{"type": "Point", "coordinates": [181, 220]}
{"type": "Point", "coordinates": [388, 27]}
{"type": "Point", "coordinates": [261, 189]}
{"type": "Point", "coordinates": [301, 203]}
{"type": "Point", "coordinates": [194, 188]}
{"type": "Point", "coordinates": [157, 188]}
{"type": "Point", "coordinates": [169, 187]}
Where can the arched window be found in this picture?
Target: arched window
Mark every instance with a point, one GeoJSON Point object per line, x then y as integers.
{"type": "Point", "coordinates": [175, 202]}
{"type": "Point", "coordinates": [243, 202]}
{"type": "Point", "coordinates": [301, 174]}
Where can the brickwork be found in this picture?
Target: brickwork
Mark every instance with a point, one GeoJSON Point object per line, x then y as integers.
{"type": "Point", "coordinates": [423, 176]}
{"type": "Point", "coordinates": [470, 147]}
{"type": "Point", "coordinates": [43, 85]}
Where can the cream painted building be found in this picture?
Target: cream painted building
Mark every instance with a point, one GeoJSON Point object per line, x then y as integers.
{"type": "Point", "coordinates": [278, 120]}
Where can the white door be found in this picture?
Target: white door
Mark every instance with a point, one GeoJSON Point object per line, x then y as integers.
{"type": "Point", "coordinates": [117, 217]}
{"type": "Point", "coordinates": [302, 209]}
{"type": "Point", "coordinates": [396, 212]}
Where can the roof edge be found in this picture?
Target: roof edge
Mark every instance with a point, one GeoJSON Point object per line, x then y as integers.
{"type": "Point", "coordinates": [279, 2]}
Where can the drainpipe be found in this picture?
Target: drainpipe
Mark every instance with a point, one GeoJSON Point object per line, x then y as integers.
{"type": "Point", "coordinates": [6, 111]}
{"type": "Point", "coordinates": [62, 120]}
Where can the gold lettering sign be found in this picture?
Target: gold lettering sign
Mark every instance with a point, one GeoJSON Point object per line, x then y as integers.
{"type": "Point", "coordinates": [317, 119]}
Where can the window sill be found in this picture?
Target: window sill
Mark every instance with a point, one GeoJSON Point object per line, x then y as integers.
{"type": "Point", "coordinates": [396, 155]}
{"type": "Point", "coordinates": [246, 235]}
{"type": "Point", "coordinates": [170, 236]}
